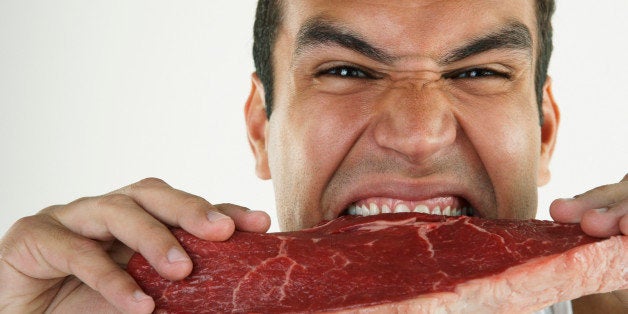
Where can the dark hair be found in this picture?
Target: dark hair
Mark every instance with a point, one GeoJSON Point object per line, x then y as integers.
{"type": "Point", "coordinates": [269, 15]}
{"type": "Point", "coordinates": [267, 20]}
{"type": "Point", "coordinates": [544, 11]}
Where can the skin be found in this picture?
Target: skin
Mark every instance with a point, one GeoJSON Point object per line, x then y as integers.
{"type": "Point", "coordinates": [410, 133]}
{"type": "Point", "coordinates": [415, 133]}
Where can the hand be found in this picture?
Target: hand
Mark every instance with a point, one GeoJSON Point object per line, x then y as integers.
{"type": "Point", "coordinates": [601, 212]}
{"type": "Point", "coordinates": [67, 258]}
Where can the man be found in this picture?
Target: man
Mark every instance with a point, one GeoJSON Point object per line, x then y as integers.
{"type": "Point", "coordinates": [387, 106]}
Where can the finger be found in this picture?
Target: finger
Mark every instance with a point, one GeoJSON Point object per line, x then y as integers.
{"type": "Point", "coordinates": [117, 216]}
{"type": "Point", "coordinates": [245, 219]}
{"type": "Point", "coordinates": [181, 209]}
{"type": "Point", "coordinates": [566, 211]}
{"type": "Point", "coordinates": [606, 222]}
{"type": "Point", "coordinates": [52, 251]}
{"type": "Point", "coordinates": [603, 196]}
{"type": "Point", "coordinates": [88, 262]}
{"type": "Point", "coordinates": [572, 210]}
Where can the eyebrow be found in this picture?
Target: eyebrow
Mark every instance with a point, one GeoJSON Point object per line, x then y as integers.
{"type": "Point", "coordinates": [320, 31]}
{"type": "Point", "coordinates": [513, 36]}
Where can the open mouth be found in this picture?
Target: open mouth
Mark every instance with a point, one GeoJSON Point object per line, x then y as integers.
{"type": "Point", "coordinates": [447, 206]}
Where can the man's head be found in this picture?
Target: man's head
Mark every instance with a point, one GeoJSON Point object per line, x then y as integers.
{"type": "Point", "coordinates": [402, 105]}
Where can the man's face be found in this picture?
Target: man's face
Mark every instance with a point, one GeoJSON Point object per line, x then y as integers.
{"type": "Point", "coordinates": [388, 106]}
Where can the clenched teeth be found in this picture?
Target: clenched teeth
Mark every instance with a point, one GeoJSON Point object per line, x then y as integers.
{"type": "Point", "coordinates": [374, 209]}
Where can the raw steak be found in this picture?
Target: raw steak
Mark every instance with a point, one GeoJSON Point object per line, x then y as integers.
{"type": "Point", "coordinates": [392, 263]}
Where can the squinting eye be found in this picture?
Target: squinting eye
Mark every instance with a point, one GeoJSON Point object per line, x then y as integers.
{"type": "Point", "coordinates": [346, 71]}
{"type": "Point", "coordinates": [477, 73]}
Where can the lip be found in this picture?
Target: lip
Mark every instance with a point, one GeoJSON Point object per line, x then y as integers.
{"type": "Point", "coordinates": [406, 189]}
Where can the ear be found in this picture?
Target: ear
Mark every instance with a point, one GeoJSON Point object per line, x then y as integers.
{"type": "Point", "coordinates": [549, 130]}
{"type": "Point", "coordinates": [257, 127]}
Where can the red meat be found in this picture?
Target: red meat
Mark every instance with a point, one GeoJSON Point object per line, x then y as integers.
{"type": "Point", "coordinates": [392, 263]}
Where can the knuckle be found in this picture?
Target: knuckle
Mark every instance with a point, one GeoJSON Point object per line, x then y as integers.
{"type": "Point", "coordinates": [53, 210]}
{"type": "Point", "coordinates": [151, 182]}
{"type": "Point", "coordinates": [50, 210]}
{"type": "Point", "coordinates": [144, 184]}
{"type": "Point", "coordinates": [193, 202]}
{"type": "Point", "coordinates": [604, 189]}
{"type": "Point", "coordinates": [27, 232]}
{"type": "Point", "coordinates": [24, 224]}
{"type": "Point", "coordinates": [82, 199]}
{"type": "Point", "coordinates": [19, 230]}
{"type": "Point", "coordinates": [23, 228]}
{"type": "Point", "coordinates": [114, 200]}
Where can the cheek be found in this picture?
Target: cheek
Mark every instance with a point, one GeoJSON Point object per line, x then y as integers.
{"type": "Point", "coordinates": [507, 141]}
{"type": "Point", "coordinates": [308, 140]}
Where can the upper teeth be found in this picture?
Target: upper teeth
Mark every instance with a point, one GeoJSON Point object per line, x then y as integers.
{"type": "Point", "coordinates": [374, 209]}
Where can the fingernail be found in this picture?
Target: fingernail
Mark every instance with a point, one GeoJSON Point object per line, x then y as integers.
{"type": "Point", "coordinates": [213, 216]}
{"type": "Point", "coordinates": [601, 210]}
{"type": "Point", "coordinates": [176, 256]}
{"type": "Point", "coordinates": [140, 296]}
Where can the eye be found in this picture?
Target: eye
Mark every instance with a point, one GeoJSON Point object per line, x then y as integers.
{"type": "Point", "coordinates": [346, 72]}
{"type": "Point", "coordinates": [477, 73]}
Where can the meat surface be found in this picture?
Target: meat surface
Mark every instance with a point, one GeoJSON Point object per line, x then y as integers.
{"type": "Point", "coordinates": [391, 263]}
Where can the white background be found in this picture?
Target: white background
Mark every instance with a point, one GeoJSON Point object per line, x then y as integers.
{"type": "Point", "coordinates": [97, 94]}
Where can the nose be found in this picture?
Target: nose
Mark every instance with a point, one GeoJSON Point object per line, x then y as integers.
{"type": "Point", "coordinates": [415, 120]}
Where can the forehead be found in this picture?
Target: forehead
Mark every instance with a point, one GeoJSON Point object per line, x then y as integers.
{"type": "Point", "coordinates": [411, 28]}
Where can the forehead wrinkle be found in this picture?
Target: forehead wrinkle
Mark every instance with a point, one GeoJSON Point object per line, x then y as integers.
{"type": "Point", "coordinates": [320, 31]}
{"type": "Point", "coordinates": [513, 36]}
